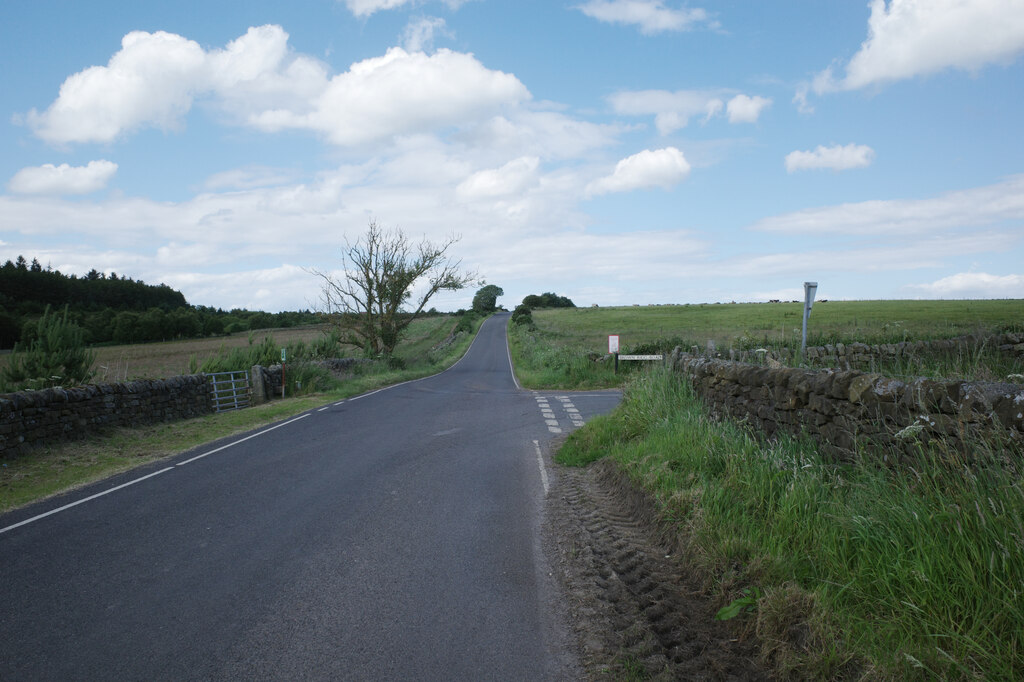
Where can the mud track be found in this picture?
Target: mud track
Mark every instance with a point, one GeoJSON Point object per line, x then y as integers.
{"type": "Point", "coordinates": [636, 613]}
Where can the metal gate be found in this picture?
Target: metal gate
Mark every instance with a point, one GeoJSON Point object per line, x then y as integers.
{"type": "Point", "coordinates": [229, 390]}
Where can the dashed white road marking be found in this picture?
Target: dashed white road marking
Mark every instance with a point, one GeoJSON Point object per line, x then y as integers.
{"type": "Point", "coordinates": [543, 469]}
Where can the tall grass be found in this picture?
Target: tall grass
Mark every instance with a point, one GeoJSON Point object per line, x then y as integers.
{"type": "Point", "coordinates": [896, 571]}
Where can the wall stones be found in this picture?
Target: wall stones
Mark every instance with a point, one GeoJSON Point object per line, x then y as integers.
{"type": "Point", "coordinates": [844, 410]}
{"type": "Point", "coordinates": [30, 418]}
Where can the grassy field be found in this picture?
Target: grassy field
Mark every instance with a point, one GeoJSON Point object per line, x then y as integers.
{"type": "Point", "coordinates": [555, 353]}
{"type": "Point", "coordinates": [779, 323]}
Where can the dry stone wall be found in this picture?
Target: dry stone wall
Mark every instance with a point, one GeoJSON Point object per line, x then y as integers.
{"type": "Point", "coordinates": [31, 418]}
{"type": "Point", "coordinates": [863, 356]}
{"type": "Point", "coordinates": [844, 410]}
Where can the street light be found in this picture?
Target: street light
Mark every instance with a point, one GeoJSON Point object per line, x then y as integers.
{"type": "Point", "coordinates": [809, 290]}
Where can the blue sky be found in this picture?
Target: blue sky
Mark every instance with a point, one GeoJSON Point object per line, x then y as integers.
{"type": "Point", "coordinates": [614, 151]}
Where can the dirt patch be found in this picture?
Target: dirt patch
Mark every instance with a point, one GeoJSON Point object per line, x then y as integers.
{"type": "Point", "coordinates": [636, 611]}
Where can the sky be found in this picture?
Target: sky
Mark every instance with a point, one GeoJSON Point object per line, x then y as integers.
{"type": "Point", "coordinates": [616, 152]}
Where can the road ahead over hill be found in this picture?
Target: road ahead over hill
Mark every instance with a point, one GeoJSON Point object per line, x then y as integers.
{"type": "Point", "coordinates": [391, 536]}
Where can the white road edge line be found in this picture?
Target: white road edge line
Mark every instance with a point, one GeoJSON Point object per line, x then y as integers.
{"type": "Point", "coordinates": [543, 469]}
{"type": "Point", "coordinates": [241, 440]}
{"type": "Point", "coordinates": [91, 497]}
{"type": "Point", "coordinates": [511, 367]}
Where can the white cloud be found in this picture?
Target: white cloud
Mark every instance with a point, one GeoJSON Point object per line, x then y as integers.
{"type": "Point", "coordinates": [249, 177]}
{"type": "Point", "coordinates": [401, 93]}
{"type": "Point", "coordinates": [836, 157]}
{"type": "Point", "coordinates": [746, 109]}
{"type": "Point", "coordinates": [512, 178]}
{"type": "Point", "coordinates": [673, 110]}
{"type": "Point", "coordinates": [964, 208]}
{"type": "Point", "coordinates": [419, 33]}
{"type": "Point", "coordinates": [908, 38]}
{"type": "Point", "coordinates": [63, 179]}
{"type": "Point", "coordinates": [657, 168]}
{"type": "Point", "coordinates": [151, 80]}
{"type": "Point", "coordinates": [973, 285]}
{"type": "Point", "coordinates": [651, 16]}
{"type": "Point", "coordinates": [154, 78]}
{"type": "Point", "coordinates": [364, 8]}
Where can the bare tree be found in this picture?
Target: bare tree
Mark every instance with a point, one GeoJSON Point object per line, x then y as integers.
{"type": "Point", "coordinates": [372, 303]}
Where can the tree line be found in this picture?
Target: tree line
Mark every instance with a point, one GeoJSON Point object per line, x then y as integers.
{"type": "Point", "coordinates": [116, 309]}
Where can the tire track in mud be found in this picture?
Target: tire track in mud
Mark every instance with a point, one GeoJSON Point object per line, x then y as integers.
{"type": "Point", "coordinates": [635, 613]}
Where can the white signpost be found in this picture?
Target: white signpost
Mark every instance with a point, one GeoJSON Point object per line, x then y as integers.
{"type": "Point", "coordinates": [809, 290]}
{"type": "Point", "coordinates": [284, 355]}
{"type": "Point", "coordinates": [613, 349]}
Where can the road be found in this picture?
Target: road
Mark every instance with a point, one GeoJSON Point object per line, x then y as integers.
{"type": "Point", "coordinates": [390, 536]}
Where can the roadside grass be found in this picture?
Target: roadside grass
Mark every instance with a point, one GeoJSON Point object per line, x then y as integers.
{"type": "Point", "coordinates": [63, 466]}
{"type": "Point", "coordinates": [873, 570]}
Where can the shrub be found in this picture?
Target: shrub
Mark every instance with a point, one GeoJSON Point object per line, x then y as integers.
{"type": "Point", "coordinates": [56, 355]}
{"type": "Point", "coordinates": [522, 315]}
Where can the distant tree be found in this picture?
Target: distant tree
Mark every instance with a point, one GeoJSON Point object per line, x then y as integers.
{"type": "Point", "coordinates": [548, 300]}
{"type": "Point", "coordinates": [372, 304]}
{"type": "Point", "coordinates": [55, 357]}
{"type": "Point", "coordinates": [486, 299]}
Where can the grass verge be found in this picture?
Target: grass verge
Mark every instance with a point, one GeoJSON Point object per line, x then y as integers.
{"type": "Point", "coordinates": [863, 570]}
{"type": "Point", "coordinates": [63, 466]}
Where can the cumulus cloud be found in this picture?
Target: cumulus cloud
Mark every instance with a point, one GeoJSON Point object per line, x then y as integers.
{"type": "Point", "coordinates": [512, 178]}
{"type": "Point", "coordinates": [650, 168]}
{"type": "Point", "coordinates": [63, 179]}
{"type": "Point", "coordinates": [650, 16]}
{"type": "Point", "coordinates": [973, 285]}
{"type": "Point", "coordinates": [151, 80]}
{"type": "Point", "coordinates": [154, 78]}
{"type": "Point", "coordinates": [908, 38]}
{"type": "Point", "coordinates": [673, 110]}
{"type": "Point", "coordinates": [964, 208]}
{"type": "Point", "coordinates": [746, 109]}
{"type": "Point", "coordinates": [402, 93]}
{"type": "Point", "coordinates": [836, 157]}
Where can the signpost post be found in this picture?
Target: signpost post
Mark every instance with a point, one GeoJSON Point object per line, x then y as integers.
{"type": "Point", "coordinates": [809, 289]}
{"type": "Point", "coordinates": [283, 383]}
{"type": "Point", "coordinates": [613, 349]}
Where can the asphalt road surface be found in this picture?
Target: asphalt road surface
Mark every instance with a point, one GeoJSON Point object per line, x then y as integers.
{"type": "Point", "coordinates": [390, 536]}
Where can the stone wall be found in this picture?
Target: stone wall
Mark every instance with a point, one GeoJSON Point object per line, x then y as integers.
{"type": "Point", "coordinates": [864, 357]}
{"type": "Point", "coordinates": [843, 410]}
{"type": "Point", "coordinates": [31, 418]}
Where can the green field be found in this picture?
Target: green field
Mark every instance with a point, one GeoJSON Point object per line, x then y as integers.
{"type": "Point", "coordinates": [555, 353]}
{"type": "Point", "coordinates": [732, 324]}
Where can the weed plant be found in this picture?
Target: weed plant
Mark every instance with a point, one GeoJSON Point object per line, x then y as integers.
{"type": "Point", "coordinates": [913, 570]}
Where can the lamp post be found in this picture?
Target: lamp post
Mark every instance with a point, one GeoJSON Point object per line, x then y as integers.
{"type": "Point", "coordinates": [809, 290]}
